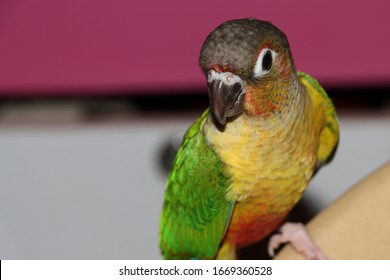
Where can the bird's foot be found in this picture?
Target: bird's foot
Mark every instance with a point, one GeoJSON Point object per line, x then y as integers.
{"type": "Point", "coordinates": [296, 234]}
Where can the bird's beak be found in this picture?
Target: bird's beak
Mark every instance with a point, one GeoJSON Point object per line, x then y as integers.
{"type": "Point", "coordinates": [226, 93]}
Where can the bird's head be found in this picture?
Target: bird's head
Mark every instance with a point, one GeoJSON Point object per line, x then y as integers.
{"type": "Point", "coordinates": [247, 62]}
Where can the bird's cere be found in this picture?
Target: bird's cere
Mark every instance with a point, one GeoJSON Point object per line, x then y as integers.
{"type": "Point", "coordinates": [227, 77]}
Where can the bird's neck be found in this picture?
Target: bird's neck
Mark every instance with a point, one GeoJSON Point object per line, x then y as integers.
{"type": "Point", "coordinates": [283, 101]}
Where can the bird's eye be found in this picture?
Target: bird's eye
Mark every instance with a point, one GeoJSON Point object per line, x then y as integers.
{"type": "Point", "coordinates": [267, 61]}
{"type": "Point", "coordinates": [264, 62]}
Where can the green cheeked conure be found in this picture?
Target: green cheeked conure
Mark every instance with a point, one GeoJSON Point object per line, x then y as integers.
{"type": "Point", "coordinates": [245, 163]}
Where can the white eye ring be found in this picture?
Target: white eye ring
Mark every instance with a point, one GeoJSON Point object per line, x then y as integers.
{"type": "Point", "coordinates": [264, 62]}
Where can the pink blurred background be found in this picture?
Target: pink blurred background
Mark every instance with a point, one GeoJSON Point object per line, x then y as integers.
{"type": "Point", "coordinates": [88, 47]}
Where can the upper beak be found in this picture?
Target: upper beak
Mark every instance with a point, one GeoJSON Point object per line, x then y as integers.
{"type": "Point", "coordinates": [226, 93]}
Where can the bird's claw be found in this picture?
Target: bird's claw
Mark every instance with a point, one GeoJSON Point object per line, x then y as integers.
{"type": "Point", "coordinates": [296, 234]}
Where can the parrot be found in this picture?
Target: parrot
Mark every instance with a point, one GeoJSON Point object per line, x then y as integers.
{"type": "Point", "coordinates": [246, 162]}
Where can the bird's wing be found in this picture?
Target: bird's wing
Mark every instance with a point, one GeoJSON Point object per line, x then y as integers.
{"type": "Point", "coordinates": [195, 212]}
{"type": "Point", "coordinates": [329, 136]}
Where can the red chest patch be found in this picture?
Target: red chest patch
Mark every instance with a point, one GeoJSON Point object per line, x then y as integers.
{"type": "Point", "coordinates": [244, 231]}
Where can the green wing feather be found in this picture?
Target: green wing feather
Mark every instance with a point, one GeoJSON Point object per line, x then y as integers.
{"type": "Point", "coordinates": [195, 212]}
{"type": "Point", "coordinates": [329, 137]}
